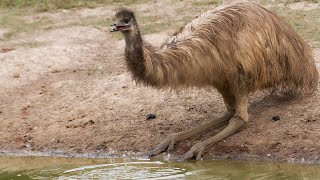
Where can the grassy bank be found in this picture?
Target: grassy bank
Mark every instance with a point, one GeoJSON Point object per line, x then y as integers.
{"type": "Point", "coordinates": [305, 22]}
{"type": "Point", "coordinates": [47, 5]}
{"type": "Point", "coordinates": [13, 13]}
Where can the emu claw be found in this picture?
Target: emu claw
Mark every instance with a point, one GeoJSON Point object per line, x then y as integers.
{"type": "Point", "coordinates": [196, 151]}
{"type": "Point", "coordinates": [167, 144]}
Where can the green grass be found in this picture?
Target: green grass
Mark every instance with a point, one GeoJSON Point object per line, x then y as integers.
{"type": "Point", "coordinates": [47, 5]}
{"type": "Point", "coordinates": [11, 20]}
{"type": "Point", "coordinates": [30, 44]}
{"type": "Point", "coordinates": [293, 1]}
{"type": "Point", "coordinates": [206, 2]}
{"type": "Point", "coordinates": [13, 11]}
{"type": "Point", "coordinates": [306, 23]}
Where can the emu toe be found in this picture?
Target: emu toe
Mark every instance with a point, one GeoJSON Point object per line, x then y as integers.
{"type": "Point", "coordinates": [166, 145]}
{"type": "Point", "coordinates": [196, 151]}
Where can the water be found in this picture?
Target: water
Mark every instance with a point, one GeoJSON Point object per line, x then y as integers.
{"type": "Point", "coordinates": [21, 168]}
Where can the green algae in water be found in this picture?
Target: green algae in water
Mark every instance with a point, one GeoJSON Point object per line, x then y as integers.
{"type": "Point", "coordinates": [23, 168]}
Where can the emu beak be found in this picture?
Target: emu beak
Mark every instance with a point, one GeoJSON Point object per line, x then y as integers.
{"type": "Point", "coordinates": [114, 27]}
{"type": "Point", "coordinates": [117, 27]}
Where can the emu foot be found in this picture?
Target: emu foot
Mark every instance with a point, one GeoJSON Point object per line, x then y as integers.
{"type": "Point", "coordinates": [196, 151]}
{"type": "Point", "coordinates": [167, 144]}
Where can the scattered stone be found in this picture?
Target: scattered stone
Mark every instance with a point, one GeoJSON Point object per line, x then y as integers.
{"type": "Point", "coordinates": [275, 145]}
{"type": "Point", "coordinates": [27, 137]}
{"type": "Point", "coordinates": [312, 149]}
{"type": "Point", "coordinates": [101, 147]}
{"type": "Point", "coordinates": [25, 108]}
{"type": "Point", "coordinates": [78, 150]}
{"type": "Point", "coordinates": [311, 119]}
{"type": "Point", "coordinates": [91, 122]}
{"type": "Point", "coordinates": [150, 116]}
{"type": "Point", "coordinates": [55, 71]}
{"type": "Point", "coordinates": [28, 145]}
{"type": "Point", "coordinates": [4, 50]}
{"type": "Point", "coordinates": [16, 76]}
{"type": "Point", "coordinates": [276, 118]}
{"type": "Point", "coordinates": [82, 116]}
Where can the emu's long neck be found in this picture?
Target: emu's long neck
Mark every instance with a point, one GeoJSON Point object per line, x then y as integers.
{"type": "Point", "coordinates": [142, 59]}
{"type": "Point", "coordinates": [173, 68]}
{"type": "Point", "coordinates": [134, 54]}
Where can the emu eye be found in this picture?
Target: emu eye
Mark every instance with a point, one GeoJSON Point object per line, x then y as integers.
{"type": "Point", "coordinates": [126, 21]}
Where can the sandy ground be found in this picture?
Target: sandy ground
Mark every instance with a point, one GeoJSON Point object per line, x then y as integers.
{"type": "Point", "coordinates": [72, 95]}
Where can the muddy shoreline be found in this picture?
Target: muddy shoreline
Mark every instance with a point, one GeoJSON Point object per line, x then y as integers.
{"type": "Point", "coordinates": [161, 157]}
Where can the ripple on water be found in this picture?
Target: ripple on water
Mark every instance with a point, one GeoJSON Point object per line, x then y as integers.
{"type": "Point", "coordinates": [130, 170]}
{"type": "Point", "coordinates": [76, 168]}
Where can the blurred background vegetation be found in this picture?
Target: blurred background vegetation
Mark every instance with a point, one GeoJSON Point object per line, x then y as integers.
{"type": "Point", "coordinates": [13, 13]}
{"type": "Point", "coordinates": [46, 5]}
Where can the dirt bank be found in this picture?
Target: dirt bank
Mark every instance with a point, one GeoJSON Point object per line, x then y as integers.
{"type": "Point", "coordinates": [65, 90]}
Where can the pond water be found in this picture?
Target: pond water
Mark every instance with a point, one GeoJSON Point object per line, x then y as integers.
{"type": "Point", "coordinates": [21, 168]}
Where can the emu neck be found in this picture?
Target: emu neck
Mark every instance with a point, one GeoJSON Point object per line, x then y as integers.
{"type": "Point", "coordinates": [134, 54]}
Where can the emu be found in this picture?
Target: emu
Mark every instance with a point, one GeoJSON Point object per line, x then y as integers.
{"type": "Point", "coordinates": [237, 49]}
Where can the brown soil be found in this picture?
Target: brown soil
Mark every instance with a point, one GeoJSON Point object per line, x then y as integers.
{"type": "Point", "coordinates": [72, 95]}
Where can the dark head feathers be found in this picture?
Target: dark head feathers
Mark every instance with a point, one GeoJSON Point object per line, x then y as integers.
{"type": "Point", "coordinates": [124, 13]}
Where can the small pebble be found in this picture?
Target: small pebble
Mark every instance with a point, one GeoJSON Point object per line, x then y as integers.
{"type": "Point", "coordinates": [150, 116]}
{"type": "Point", "coordinates": [91, 122]}
{"type": "Point", "coordinates": [276, 118]}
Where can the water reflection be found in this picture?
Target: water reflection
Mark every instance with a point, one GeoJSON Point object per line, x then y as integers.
{"type": "Point", "coordinates": [126, 170]}
{"type": "Point", "coordinates": [76, 168]}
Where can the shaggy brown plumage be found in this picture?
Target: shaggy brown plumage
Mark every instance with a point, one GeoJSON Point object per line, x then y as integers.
{"type": "Point", "coordinates": [237, 49]}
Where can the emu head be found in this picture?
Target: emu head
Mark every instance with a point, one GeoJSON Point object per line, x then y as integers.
{"type": "Point", "coordinates": [124, 20]}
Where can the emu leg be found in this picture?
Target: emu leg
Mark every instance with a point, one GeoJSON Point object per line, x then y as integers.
{"type": "Point", "coordinates": [170, 141]}
{"type": "Point", "coordinates": [236, 124]}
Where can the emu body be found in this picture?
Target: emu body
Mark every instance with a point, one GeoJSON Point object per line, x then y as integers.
{"type": "Point", "coordinates": [236, 49]}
